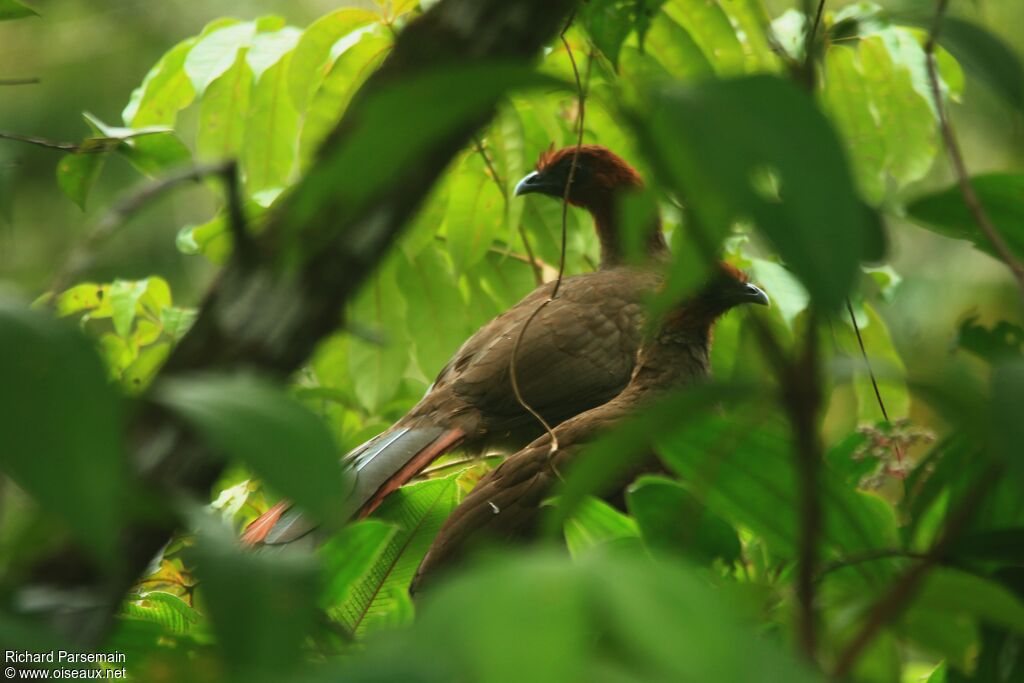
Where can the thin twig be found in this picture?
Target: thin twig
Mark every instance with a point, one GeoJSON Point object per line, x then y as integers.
{"type": "Point", "coordinates": [871, 375]}
{"type": "Point", "coordinates": [870, 556]}
{"type": "Point", "coordinates": [974, 205]}
{"type": "Point", "coordinates": [82, 255]}
{"type": "Point", "coordinates": [810, 44]}
{"type": "Point", "coordinates": [538, 273]}
{"type": "Point", "coordinates": [580, 115]}
{"type": "Point", "coordinates": [43, 142]}
{"type": "Point", "coordinates": [19, 81]}
{"type": "Point", "coordinates": [892, 604]}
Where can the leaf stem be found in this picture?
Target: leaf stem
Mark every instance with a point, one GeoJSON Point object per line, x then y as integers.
{"type": "Point", "coordinates": [971, 198]}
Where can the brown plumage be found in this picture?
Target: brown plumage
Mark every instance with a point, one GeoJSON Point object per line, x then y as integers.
{"type": "Point", "coordinates": [505, 504]}
{"type": "Point", "coordinates": [578, 353]}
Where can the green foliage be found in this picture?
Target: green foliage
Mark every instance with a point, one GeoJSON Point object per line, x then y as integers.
{"type": "Point", "coordinates": [948, 214]}
{"type": "Point", "coordinates": [691, 574]}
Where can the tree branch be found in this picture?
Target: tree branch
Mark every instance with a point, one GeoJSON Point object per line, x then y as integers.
{"type": "Point", "coordinates": [892, 604]}
{"type": "Point", "coordinates": [971, 198]}
{"type": "Point", "coordinates": [269, 315]}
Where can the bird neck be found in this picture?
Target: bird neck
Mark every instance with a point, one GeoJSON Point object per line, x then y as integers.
{"type": "Point", "coordinates": [672, 357]}
{"type": "Point", "coordinates": [605, 212]}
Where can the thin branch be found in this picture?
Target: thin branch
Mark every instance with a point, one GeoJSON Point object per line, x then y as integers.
{"type": "Point", "coordinates": [802, 398]}
{"type": "Point", "coordinates": [971, 198]}
{"type": "Point", "coordinates": [871, 375]}
{"type": "Point", "coordinates": [810, 44]}
{"type": "Point", "coordinates": [580, 114]}
{"type": "Point", "coordinates": [81, 256]}
{"type": "Point", "coordinates": [870, 556]}
{"type": "Point", "coordinates": [892, 604]}
{"type": "Point", "coordinates": [43, 142]}
{"type": "Point", "coordinates": [19, 81]}
{"type": "Point", "coordinates": [538, 273]}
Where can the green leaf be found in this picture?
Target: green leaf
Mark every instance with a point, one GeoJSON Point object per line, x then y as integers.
{"type": "Point", "coordinates": [269, 47]}
{"type": "Point", "coordinates": [15, 9]}
{"type": "Point", "coordinates": [216, 52]}
{"type": "Point", "coordinates": [351, 64]}
{"type": "Point", "coordinates": [670, 518]}
{"type": "Point", "coordinates": [165, 90]}
{"type": "Point", "coordinates": [262, 605]}
{"type": "Point", "coordinates": [124, 300]}
{"type": "Point", "coordinates": [985, 56]}
{"type": "Point", "coordinates": [1007, 399]}
{"type": "Point", "coordinates": [1002, 196]}
{"type": "Point", "coordinates": [279, 438]}
{"type": "Point", "coordinates": [608, 22]}
{"type": "Point", "coordinates": [212, 239]}
{"type": "Point", "coordinates": [475, 214]}
{"type": "Point", "coordinates": [223, 113]}
{"type": "Point", "coordinates": [596, 523]}
{"type": "Point", "coordinates": [744, 471]}
{"type": "Point", "coordinates": [378, 368]}
{"type": "Point", "coordinates": [711, 29]}
{"type": "Point", "coordinates": [77, 173]}
{"type": "Point", "coordinates": [758, 148]}
{"type": "Point", "coordinates": [751, 17]}
{"type": "Point", "coordinates": [348, 556]}
{"type": "Point", "coordinates": [418, 511]}
{"type": "Point", "coordinates": [1004, 341]}
{"type": "Point", "coordinates": [165, 609]}
{"type": "Point", "coordinates": [608, 617]}
{"type": "Point", "coordinates": [271, 132]}
{"type": "Point", "coordinates": [672, 46]}
{"type": "Point", "coordinates": [313, 56]}
{"type": "Point", "coordinates": [431, 293]}
{"type": "Point", "coordinates": [62, 423]}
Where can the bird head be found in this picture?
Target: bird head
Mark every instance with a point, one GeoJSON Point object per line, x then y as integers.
{"type": "Point", "coordinates": [599, 174]}
{"type": "Point", "coordinates": [725, 287]}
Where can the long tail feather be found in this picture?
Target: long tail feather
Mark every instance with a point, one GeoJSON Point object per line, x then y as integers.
{"type": "Point", "coordinates": [381, 465]}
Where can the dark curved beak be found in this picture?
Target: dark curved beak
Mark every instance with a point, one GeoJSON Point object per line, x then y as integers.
{"type": "Point", "coordinates": [541, 183]}
{"type": "Point", "coordinates": [752, 294]}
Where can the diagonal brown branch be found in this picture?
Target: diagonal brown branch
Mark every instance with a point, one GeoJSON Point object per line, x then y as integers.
{"type": "Point", "coordinates": [974, 205]}
{"type": "Point", "coordinates": [269, 315]}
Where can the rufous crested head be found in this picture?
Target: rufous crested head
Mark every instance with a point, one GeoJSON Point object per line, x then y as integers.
{"type": "Point", "coordinates": [600, 173]}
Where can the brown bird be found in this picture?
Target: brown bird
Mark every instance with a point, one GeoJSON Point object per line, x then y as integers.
{"type": "Point", "coordinates": [577, 353]}
{"type": "Point", "coordinates": [505, 504]}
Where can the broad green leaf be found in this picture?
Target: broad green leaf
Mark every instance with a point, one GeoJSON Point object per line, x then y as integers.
{"type": "Point", "coordinates": [596, 523]}
{"type": "Point", "coordinates": [671, 45]}
{"type": "Point", "coordinates": [987, 57]}
{"type": "Point", "coordinates": [165, 90]}
{"type": "Point", "coordinates": [751, 17]}
{"type": "Point", "coordinates": [15, 9]}
{"type": "Point", "coordinates": [475, 214]}
{"type": "Point", "coordinates": [271, 132]}
{"type": "Point", "coordinates": [281, 440]}
{"type": "Point", "coordinates": [216, 52]}
{"type": "Point", "coordinates": [223, 112]}
{"type": "Point", "coordinates": [757, 148]}
{"type": "Point", "coordinates": [348, 556]}
{"type": "Point", "coordinates": [789, 298]}
{"type": "Point", "coordinates": [346, 72]}
{"type": "Point", "coordinates": [62, 423]}
{"type": "Point", "coordinates": [745, 472]}
{"type": "Point", "coordinates": [711, 29]}
{"type": "Point", "coordinates": [608, 617]}
{"type": "Point", "coordinates": [124, 300]}
{"type": "Point", "coordinates": [212, 239]}
{"type": "Point", "coordinates": [268, 48]}
{"type": "Point", "coordinates": [1004, 341]}
{"type": "Point", "coordinates": [385, 142]}
{"type": "Point", "coordinates": [78, 172]}
{"type": "Point", "coordinates": [153, 154]}
{"type": "Point", "coordinates": [608, 22]}
{"type": "Point", "coordinates": [377, 368]}
{"type": "Point", "coordinates": [165, 609]}
{"type": "Point", "coordinates": [313, 54]}
{"type": "Point", "coordinates": [1002, 196]}
{"type": "Point", "coordinates": [143, 369]}
{"type": "Point", "coordinates": [82, 297]}
{"type": "Point", "coordinates": [431, 293]}
{"type": "Point", "coordinates": [670, 518]}
{"type": "Point", "coordinates": [262, 605]}
{"type": "Point", "coordinates": [418, 511]}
